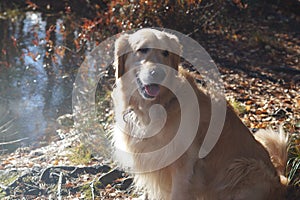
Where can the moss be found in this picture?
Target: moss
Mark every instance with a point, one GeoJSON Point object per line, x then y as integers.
{"type": "Point", "coordinates": [87, 190]}
{"type": "Point", "coordinates": [238, 107]}
{"type": "Point", "coordinates": [7, 178]}
{"type": "Point", "coordinates": [80, 154]}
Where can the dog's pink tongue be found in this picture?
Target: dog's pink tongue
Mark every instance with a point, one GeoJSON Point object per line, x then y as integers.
{"type": "Point", "coordinates": [152, 90]}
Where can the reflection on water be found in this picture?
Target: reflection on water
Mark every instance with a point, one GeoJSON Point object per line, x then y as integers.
{"type": "Point", "coordinates": [34, 88]}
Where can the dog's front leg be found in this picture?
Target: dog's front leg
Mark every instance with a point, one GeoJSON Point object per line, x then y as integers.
{"type": "Point", "coordinates": [182, 188]}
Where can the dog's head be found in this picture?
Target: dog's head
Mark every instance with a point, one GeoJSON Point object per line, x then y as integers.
{"type": "Point", "coordinates": [149, 56]}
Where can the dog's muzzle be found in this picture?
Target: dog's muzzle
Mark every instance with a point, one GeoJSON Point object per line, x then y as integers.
{"type": "Point", "coordinates": [148, 82]}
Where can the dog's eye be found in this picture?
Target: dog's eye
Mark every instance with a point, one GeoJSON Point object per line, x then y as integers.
{"type": "Point", "coordinates": [165, 53]}
{"type": "Point", "coordinates": [143, 50]}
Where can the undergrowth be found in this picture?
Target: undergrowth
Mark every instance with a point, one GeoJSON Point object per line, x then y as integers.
{"type": "Point", "coordinates": [294, 160]}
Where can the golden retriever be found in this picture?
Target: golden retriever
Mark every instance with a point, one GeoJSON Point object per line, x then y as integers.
{"type": "Point", "coordinates": [238, 167]}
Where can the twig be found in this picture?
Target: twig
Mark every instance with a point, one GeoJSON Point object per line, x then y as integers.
{"type": "Point", "coordinates": [14, 141]}
{"type": "Point", "coordinates": [4, 116]}
{"type": "Point", "coordinates": [31, 186]}
{"type": "Point", "coordinates": [59, 186]}
{"type": "Point", "coordinates": [92, 189]}
{"type": "Point", "coordinates": [67, 48]}
{"type": "Point", "coordinates": [4, 127]}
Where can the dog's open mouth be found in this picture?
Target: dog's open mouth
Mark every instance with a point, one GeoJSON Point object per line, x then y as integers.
{"type": "Point", "coordinates": [148, 91]}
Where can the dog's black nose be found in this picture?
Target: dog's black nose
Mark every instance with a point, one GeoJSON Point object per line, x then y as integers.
{"type": "Point", "coordinates": [157, 74]}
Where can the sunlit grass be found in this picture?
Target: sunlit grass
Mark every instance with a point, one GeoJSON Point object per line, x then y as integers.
{"type": "Point", "coordinates": [238, 107]}
{"type": "Point", "coordinates": [80, 154]}
{"type": "Point", "coordinates": [294, 160]}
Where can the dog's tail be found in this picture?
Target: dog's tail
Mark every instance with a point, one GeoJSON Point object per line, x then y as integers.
{"type": "Point", "coordinates": [276, 143]}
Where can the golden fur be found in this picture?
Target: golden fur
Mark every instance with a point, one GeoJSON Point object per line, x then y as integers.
{"type": "Point", "coordinates": [238, 167]}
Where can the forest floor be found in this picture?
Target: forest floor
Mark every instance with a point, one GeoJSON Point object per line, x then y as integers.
{"type": "Point", "coordinates": [257, 52]}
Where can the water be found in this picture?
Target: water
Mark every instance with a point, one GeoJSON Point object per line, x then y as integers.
{"type": "Point", "coordinates": [36, 78]}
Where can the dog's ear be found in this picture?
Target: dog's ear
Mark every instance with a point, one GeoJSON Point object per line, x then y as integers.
{"type": "Point", "coordinates": [121, 48]}
{"type": "Point", "coordinates": [175, 60]}
{"type": "Point", "coordinates": [175, 49]}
